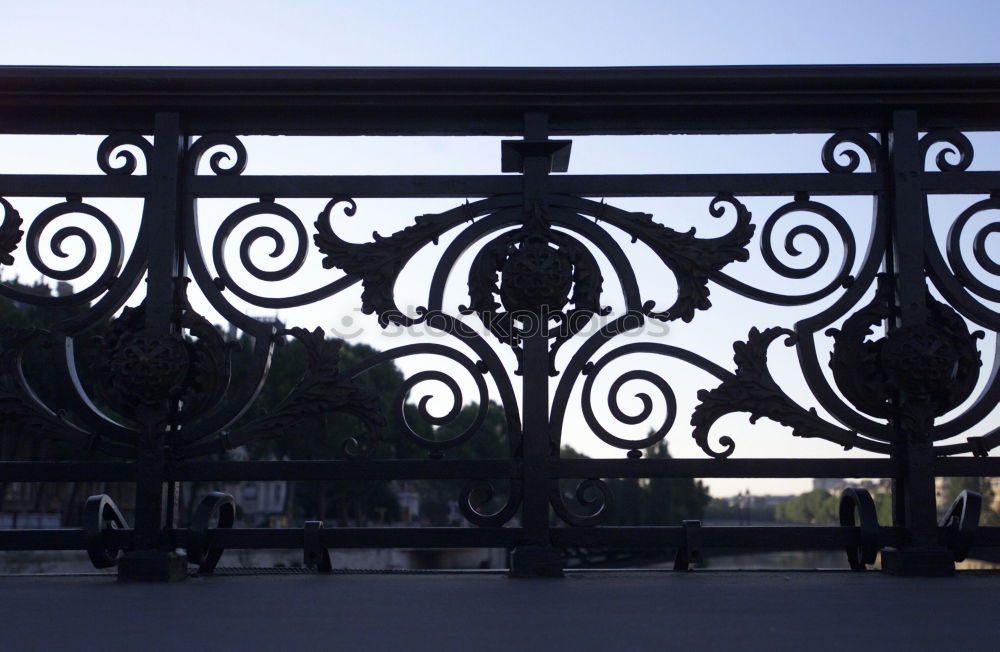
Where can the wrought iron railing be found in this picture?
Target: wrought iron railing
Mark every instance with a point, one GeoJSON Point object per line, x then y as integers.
{"type": "Point", "coordinates": [160, 394]}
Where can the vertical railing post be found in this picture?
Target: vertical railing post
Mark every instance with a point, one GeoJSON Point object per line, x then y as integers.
{"type": "Point", "coordinates": [152, 557]}
{"type": "Point", "coordinates": [535, 556]}
{"type": "Point", "coordinates": [914, 503]}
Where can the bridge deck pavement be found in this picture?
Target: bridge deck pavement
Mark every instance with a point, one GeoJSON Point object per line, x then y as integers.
{"type": "Point", "coordinates": [613, 610]}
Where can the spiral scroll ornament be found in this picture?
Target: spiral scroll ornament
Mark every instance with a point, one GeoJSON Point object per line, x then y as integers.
{"type": "Point", "coordinates": [593, 494]}
{"type": "Point", "coordinates": [410, 430]}
{"type": "Point", "coordinates": [957, 144]}
{"type": "Point", "coordinates": [800, 204]}
{"type": "Point", "coordinates": [51, 214]}
{"type": "Point", "coordinates": [979, 249]}
{"type": "Point", "coordinates": [10, 236]}
{"type": "Point", "coordinates": [834, 150]}
{"type": "Point", "coordinates": [478, 495]}
{"type": "Point", "coordinates": [634, 446]}
{"type": "Point", "coordinates": [267, 207]}
{"type": "Point", "coordinates": [230, 160]}
{"type": "Point", "coordinates": [112, 148]}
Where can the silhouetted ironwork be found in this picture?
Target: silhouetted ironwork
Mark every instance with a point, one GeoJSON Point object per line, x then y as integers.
{"type": "Point", "coordinates": [168, 396]}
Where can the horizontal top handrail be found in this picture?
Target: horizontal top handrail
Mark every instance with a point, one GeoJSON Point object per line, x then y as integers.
{"type": "Point", "coordinates": [462, 101]}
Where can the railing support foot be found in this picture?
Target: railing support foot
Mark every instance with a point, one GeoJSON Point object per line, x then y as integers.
{"type": "Point", "coordinates": [152, 566]}
{"type": "Point", "coordinates": [536, 561]}
{"type": "Point", "coordinates": [923, 561]}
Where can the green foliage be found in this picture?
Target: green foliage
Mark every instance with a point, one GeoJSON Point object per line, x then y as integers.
{"type": "Point", "coordinates": [817, 507]}
{"type": "Point", "coordinates": [981, 486]}
{"type": "Point", "coordinates": [883, 508]}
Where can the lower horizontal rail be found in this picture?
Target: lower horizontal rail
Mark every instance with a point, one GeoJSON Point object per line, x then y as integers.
{"type": "Point", "coordinates": [346, 470]}
{"type": "Point", "coordinates": [67, 472]}
{"type": "Point", "coordinates": [488, 469]}
{"type": "Point", "coordinates": [723, 468]}
{"type": "Point", "coordinates": [348, 537]}
{"type": "Point", "coordinates": [66, 539]}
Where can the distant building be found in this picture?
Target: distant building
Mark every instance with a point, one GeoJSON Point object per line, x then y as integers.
{"type": "Point", "coordinates": [837, 485]}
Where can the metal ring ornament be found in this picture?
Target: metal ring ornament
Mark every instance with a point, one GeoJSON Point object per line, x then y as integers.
{"type": "Point", "coordinates": [100, 514]}
{"type": "Point", "coordinates": [215, 505]}
{"type": "Point", "coordinates": [860, 501]}
{"type": "Point", "coordinates": [961, 522]}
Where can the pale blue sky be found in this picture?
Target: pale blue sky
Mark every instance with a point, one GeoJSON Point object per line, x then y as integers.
{"type": "Point", "coordinates": [517, 33]}
{"type": "Point", "coordinates": [513, 33]}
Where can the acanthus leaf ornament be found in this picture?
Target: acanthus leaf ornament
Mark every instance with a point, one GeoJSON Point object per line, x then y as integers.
{"type": "Point", "coordinates": [377, 263]}
{"type": "Point", "coordinates": [10, 232]}
{"type": "Point", "coordinates": [693, 260]}
{"type": "Point", "coordinates": [752, 389]}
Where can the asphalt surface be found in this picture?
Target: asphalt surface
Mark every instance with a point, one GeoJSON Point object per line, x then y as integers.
{"type": "Point", "coordinates": [620, 611]}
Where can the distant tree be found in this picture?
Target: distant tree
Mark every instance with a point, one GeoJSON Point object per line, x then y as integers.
{"type": "Point", "coordinates": [325, 437]}
{"type": "Point", "coordinates": [490, 441]}
{"type": "Point", "coordinates": [883, 508]}
{"type": "Point", "coordinates": [668, 501]}
{"type": "Point", "coordinates": [15, 443]}
{"type": "Point", "coordinates": [981, 486]}
{"type": "Point", "coordinates": [816, 507]}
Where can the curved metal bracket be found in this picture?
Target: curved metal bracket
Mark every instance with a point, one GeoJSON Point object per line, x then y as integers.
{"type": "Point", "coordinates": [314, 555]}
{"type": "Point", "coordinates": [961, 522]}
{"type": "Point", "coordinates": [859, 500]}
{"type": "Point", "coordinates": [215, 505]}
{"type": "Point", "coordinates": [100, 513]}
